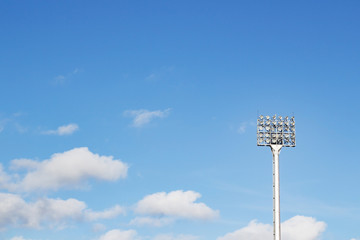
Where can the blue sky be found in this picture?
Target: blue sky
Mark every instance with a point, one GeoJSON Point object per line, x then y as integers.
{"type": "Point", "coordinates": [136, 120]}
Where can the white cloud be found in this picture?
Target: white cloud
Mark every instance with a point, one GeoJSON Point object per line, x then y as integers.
{"type": "Point", "coordinates": [143, 116]}
{"type": "Point", "coordinates": [302, 228]}
{"type": "Point", "coordinates": [150, 221]}
{"type": "Point", "coordinates": [296, 228]}
{"type": "Point", "coordinates": [177, 237]}
{"type": "Point", "coordinates": [63, 130]}
{"type": "Point", "coordinates": [67, 170]}
{"type": "Point", "coordinates": [19, 238]}
{"type": "Point", "coordinates": [4, 178]}
{"type": "Point", "coordinates": [175, 204]}
{"type": "Point", "coordinates": [24, 163]}
{"type": "Point", "coordinates": [254, 231]}
{"type": "Point", "coordinates": [16, 212]}
{"type": "Point", "coordinates": [116, 234]}
{"type": "Point", "coordinates": [106, 214]}
{"type": "Point", "coordinates": [98, 227]}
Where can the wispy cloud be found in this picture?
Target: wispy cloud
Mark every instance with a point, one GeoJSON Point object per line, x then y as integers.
{"type": "Point", "coordinates": [63, 130]}
{"type": "Point", "coordinates": [12, 121]}
{"type": "Point", "coordinates": [62, 78]}
{"type": "Point", "coordinates": [142, 117]}
{"type": "Point", "coordinates": [159, 74]}
{"type": "Point", "coordinates": [243, 127]}
{"type": "Point", "coordinates": [3, 123]}
{"type": "Point", "coordinates": [151, 76]}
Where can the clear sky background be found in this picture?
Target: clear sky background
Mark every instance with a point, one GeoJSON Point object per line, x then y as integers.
{"type": "Point", "coordinates": [128, 120]}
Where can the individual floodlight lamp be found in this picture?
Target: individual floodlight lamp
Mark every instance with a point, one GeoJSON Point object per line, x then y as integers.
{"type": "Point", "coordinates": [276, 132]}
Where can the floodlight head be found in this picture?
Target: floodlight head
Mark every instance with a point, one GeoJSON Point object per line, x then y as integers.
{"type": "Point", "coordinates": [276, 131]}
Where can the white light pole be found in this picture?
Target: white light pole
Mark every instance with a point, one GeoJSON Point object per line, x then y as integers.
{"type": "Point", "coordinates": [276, 132]}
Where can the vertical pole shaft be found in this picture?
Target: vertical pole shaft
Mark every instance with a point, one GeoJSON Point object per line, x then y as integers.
{"type": "Point", "coordinates": [276, 191]}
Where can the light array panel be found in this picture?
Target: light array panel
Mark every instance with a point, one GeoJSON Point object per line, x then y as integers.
{"type": "Point", "coordinates": [276, 131]}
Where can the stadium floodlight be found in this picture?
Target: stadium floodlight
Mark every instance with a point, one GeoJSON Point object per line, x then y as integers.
{"type": "Point", "coordinates": [276, 132]}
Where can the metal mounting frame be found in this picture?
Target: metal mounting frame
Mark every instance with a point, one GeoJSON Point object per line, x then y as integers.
{"type": "Point", "coordinates": [276, 132]}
